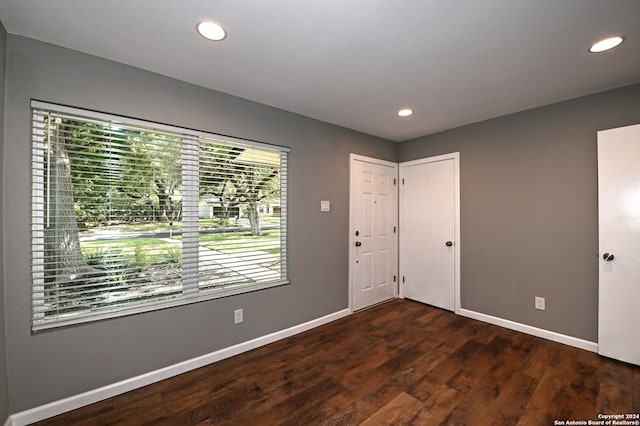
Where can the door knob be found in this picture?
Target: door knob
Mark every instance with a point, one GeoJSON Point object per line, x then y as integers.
{"type": "Point", "coordinates": [608, 257]}
{"type": "Point", "coordinates": [358, 243]}
{"type": "Point", "coordinates": [448, 244]}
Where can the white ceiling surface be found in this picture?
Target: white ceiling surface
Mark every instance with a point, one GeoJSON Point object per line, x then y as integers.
{"type": "Point", "coordinates": [356, 62]}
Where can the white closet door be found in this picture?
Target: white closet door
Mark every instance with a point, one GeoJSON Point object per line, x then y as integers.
{"type": "Point", "coordinates": [429, 246]}
{"type": "Point", "coordinates": [619, 243]}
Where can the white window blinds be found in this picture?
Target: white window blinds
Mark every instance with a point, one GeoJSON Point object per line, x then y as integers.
{"type": "Point", "coordinates": [130, 216]}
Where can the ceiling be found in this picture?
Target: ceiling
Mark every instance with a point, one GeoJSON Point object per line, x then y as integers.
{"type": "Point", "coordinates": [356, 62]}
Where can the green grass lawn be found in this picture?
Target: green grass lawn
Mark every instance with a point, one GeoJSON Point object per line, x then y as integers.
{"type": "Point", "coordinates": [147, 251]}
{"type": "Point", "coordinates": [164, 226]}
{"type": "Point", "coordinates": [214, 223]}
{"type": "Point", "coordinates": [144, 251]}
{"type": "Point", "coordinates": [234, 242]}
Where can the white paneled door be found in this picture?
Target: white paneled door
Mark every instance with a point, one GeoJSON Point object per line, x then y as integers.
{"type": "Point", "coordinates": [429, 231]}
{"type": "Point", "coordinates": [373, 252]}
{"type": "Point", "coordinates": [619, 243]}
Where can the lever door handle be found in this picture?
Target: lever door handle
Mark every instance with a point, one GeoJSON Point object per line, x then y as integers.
{"type": "Point", "coordinates": [448, 243]}
{"type": "Point", "coordinates": [608, 257]}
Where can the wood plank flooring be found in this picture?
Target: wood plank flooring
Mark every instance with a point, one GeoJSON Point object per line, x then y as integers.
{"type": "Point", "coordinates": [398, 363]}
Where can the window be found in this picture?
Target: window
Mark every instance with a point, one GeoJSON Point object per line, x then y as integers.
{"type": "Point", "coordinates": [130, 216]}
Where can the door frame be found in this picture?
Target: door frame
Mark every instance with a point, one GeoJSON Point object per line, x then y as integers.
{"type": "Point", "coordinates": [455, 156]}
{"type": "Point", "coordinates": [352, 159]}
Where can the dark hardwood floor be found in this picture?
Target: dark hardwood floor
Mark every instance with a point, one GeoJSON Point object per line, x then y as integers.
{"type": "Point", "coordinates": [397, 363]}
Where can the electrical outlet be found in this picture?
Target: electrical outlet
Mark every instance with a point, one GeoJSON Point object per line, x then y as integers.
{"type": "Point", "coordinates": [238, 316]}
{"type": "Point", "coordinates": [540, 303]}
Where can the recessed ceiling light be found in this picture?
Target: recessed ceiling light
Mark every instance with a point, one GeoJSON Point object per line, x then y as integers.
{"type": "Point", "coordinates": [606, 44]}
{"type": "Point", "coordinates": [405, 112]}
{"type": "Point", "coordinates": [211, 30]}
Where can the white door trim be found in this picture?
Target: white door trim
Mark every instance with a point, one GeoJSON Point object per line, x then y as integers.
{"type": "Point", "coordinates": [455, 156]}
{"type": "Point", "coordinates": [352, 240]}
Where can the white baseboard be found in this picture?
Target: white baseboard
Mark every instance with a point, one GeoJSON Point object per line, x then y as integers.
{"type": "Point", "coordinates": [71, 403]}
{"type": "Point", "coordinates": [539, 332]}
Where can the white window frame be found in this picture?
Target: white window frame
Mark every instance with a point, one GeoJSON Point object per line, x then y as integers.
{"type": "Point", "coordinates": [190, 247]}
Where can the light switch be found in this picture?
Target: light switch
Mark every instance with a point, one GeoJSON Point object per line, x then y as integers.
{"type": "Point", "coordinates": [325, 206]}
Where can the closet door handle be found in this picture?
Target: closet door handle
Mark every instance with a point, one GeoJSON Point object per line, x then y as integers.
{"type": "Point", "coordinates": [448, 243]}
{"type": "Point", "coordinates": [608, 257]}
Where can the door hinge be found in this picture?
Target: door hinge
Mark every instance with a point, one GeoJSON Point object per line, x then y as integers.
{"type": "Point", "coordinates": [394, 278]}
{"type": "Point", "coordinates": [403, 181]}
{"type": "Point", "coordinates": [403, 279]}
{"type": "Point", "coordinates": [394, 181]}
{"type": "Point", "coordinates": [394, 229]}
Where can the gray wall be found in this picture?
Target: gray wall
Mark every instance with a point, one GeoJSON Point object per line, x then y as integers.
{"type": "Point", "coordinates": [55, 364]}
{"type": "Point", "coordinates": [529, 224]}
{"type": "Point", "coordinates": [4, 398]}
